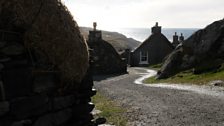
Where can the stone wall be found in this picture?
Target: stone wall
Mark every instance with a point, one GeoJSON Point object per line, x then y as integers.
{"type": "Point", "coordinates": [32, 91]}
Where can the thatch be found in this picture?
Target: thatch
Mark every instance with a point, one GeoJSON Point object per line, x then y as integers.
{"type": "Point", "coordinates": [48, 27]}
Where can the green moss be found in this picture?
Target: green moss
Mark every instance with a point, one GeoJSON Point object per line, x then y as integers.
{"type": "Point", "coordinates": [189, 77]}
{"type": "Point", "coordinates": [110, 110]}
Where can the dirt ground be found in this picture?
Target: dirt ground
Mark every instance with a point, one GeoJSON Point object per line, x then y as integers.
{"type": "Point", "coordinates": [161, 105]}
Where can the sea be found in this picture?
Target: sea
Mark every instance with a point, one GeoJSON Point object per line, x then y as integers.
{"type": "Point", "coordinates": [141, 34]}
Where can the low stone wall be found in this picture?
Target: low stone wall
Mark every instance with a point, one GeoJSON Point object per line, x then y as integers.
{"type": "Point", "coordinates": [43, 109]}
{"type": "Point", "coordinates": [31, 93]}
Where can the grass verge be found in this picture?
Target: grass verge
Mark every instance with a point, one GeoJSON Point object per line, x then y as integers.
{"type": "Point", "coordinates": [189, 77]}
{"type": "Point", "coordinates": [156, 66]}
{"type": "Point", "coordinates": [114, 114]}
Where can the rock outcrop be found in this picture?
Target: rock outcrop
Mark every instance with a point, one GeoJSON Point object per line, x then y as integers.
{"type": "Point", "coordinates": [202, 51]}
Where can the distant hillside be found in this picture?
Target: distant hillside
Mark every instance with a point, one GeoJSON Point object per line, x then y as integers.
{"type": "Point", "coordinates": [117, 40]}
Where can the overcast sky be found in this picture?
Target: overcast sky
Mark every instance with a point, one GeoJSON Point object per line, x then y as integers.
{"type": "Point", "coordinates": [110, 14]}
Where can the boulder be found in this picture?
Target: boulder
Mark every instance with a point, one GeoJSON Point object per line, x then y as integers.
{"type": "Point", "coordinates": [100, 121]}
{"type": "Point", "coordinates": [203, 51]}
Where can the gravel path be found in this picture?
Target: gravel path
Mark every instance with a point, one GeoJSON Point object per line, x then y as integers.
{"type": "Point", "coordinates": [163, 106]}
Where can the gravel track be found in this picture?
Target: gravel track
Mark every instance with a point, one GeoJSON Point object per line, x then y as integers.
{"type": "Point", "coordinates": [161, 106]}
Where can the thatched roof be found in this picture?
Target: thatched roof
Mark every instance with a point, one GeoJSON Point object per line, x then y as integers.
{"type": "Point", "coordinates": [156, 38]}
{"type": "Point", "coordinates": [47, 26]}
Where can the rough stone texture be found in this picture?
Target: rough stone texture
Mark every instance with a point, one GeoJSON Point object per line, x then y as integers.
{"type": "Point", "coordinates": [63, 102]}
{"type": "Point", "coordinates": [48, 27]}
{"type": "Point", "coordinates": [4, 108]}
{"type": "Point", "coordinates": [45, 82]}
{"type": "Point", "coordinates": [203, 51]}
{"type": "Point", "coordinates": [43, 78]}
{"type": "Point", "coordinates": [54, 119]}
{"type": "Point", "coordinates": [15, 49]}
{"type": "Point", "coordinates": [25, 107]}
{"type": "Point", "coordinates": [17, 82]}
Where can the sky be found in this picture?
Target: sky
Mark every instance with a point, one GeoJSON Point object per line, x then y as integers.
{"type": "Point", "coordinates": [111, 14]}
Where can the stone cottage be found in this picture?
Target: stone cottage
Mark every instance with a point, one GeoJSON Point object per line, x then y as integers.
{"type": "Point", "coordinates": [153, 50]}
{"type": "Point", "coordinates": [106, 60]}
{"type": "Point", "coordinates": [44, 75]}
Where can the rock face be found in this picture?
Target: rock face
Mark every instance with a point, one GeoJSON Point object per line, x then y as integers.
{"type": "Point", "coordinates": [203, 51]}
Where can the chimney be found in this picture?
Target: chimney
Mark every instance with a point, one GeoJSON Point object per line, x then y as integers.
{"type": "Point", "coordinates": [94, 35]}
{"type": "Point", "coordinates": [94, 26]}
{"type": "Point", "coordinates": [156, 29]}
{"type": "Point", "coordinates": [175, 39]}
{"type": "Point", "coordinates": [181, 38]}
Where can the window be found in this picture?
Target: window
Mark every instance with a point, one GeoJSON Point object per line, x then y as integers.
{"type": "Point", "coordinates": [143, 57]}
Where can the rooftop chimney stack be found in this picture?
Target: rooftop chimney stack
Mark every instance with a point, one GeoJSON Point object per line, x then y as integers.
{"type": "Point", "coordinates": [94, 26]}
{"type": "Point", "coordinates": [175, 40]}
{"type": "Point", "coordinates": [94, 35]}
{"type": "Point", "coordinates": [181, 37]}
{"type": "Point", "coordinates": [156, 29]}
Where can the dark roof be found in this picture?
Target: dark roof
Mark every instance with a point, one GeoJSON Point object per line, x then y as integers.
{"type": "Point", "coordinates": [156, 38]}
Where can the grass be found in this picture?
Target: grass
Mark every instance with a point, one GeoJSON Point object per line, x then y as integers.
{"type": "Point", "coordinates": [156, 66]}
{"type": "Point", "coordinates": [189, 77]}
{"type": "Point", "coordinates": [110, 110]}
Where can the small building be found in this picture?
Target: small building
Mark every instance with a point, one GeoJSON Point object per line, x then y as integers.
{"type": "Point", "coordinates": [153, 50]}
{"type": "Point", "coordinates": [104, 57]}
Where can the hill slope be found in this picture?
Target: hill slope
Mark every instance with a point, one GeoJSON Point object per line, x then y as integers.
{"type": "Point", "coordinates": [119, 41]}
